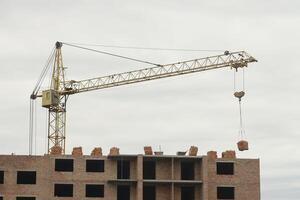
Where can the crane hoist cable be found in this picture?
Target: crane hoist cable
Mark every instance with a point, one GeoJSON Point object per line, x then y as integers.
{"type": "Point", "coordinates": [33, 96]}
{"type": "Point", "coordinates": [242, 130]}
{"type": "Point", "coordinates": [242, 144]}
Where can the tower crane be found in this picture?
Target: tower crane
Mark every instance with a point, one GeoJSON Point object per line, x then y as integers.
{"type": "Point", "coordinates": [55, 97]}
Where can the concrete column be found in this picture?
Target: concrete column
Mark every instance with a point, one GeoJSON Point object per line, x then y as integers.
{"type": "Point", "coordinates": [139, 177]}
{"type": "Point", "coordinates": [172, 178]}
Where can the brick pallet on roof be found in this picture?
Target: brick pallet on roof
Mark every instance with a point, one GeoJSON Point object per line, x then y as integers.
{"type": "Point", "coordinates": [77, 151]}
{"type": "Point", "coordinates": [114, 151]}
{"type": "Point", "coordinates": [97, 151]}
{"type": "Point", "coordinates": [193, 151]}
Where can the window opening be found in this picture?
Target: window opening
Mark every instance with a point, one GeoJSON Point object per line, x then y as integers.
{"type": "Point", "coordinates": [123, 192]}
{"type": "Point", "coordinates": [93, 190]}
{"type": "Point", "coordinates": [225, 168]}
{"type": "Point", "coordinates": [63, 190]}
{"type": "Point", "coordinates": [149, 170]}
{"type": "Point", "coordinates": [123, 169]}
{"type": "Point", "coordinates": [26, 177]}
{"type": "Point", "coordinates": [187, 170]}
{"type": "Point", "coordinates": [225, 192]}
{"type": "Point", "coordinates": [64, 165]}
{"type": "Point", "coordinates": [94, 165]}
{"type": "Point", "coordinates": [149, 192]}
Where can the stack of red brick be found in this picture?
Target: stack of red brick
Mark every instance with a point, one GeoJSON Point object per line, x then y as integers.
{"type": "Point", "coordinates": [56, 150]}
{"type": "Point", "coordinates": [148, 150]}
{"type": "Point", "coordinates": [114, 151]}
{"type": "Point", "coordinates": [193, 151]}
{"type": "Point", "coordinates": [77, 151]}
{"type": "Point", "coordinates": [97, 151]}
{"type": "Point", "coordinates": [228, 154]}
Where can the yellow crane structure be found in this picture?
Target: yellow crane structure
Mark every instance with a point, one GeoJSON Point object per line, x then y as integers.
{"type": "Point", "coordinates": [55, 98]}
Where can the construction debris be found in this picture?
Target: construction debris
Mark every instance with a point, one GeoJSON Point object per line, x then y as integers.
{"type": "Point", "coordinates": [229, 154]}
{"type": "Point", "coordinates": [114, 151]}
{"type": "Point", "coordinates": [148, 150]}
{"type": "Point", "coordinates": [56, 150]}
{"type": "Point", "coordinates": [193, 151]}
{"type": "Point", "coordinates": [212, 155]}
{"type": "Point", "coordinates": [97, 152]}
{"type": "Point", "coordinates": [77, 151]}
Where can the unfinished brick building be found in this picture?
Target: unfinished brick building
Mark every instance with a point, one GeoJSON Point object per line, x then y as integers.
{"type": "Point", "coordinates": [129, 177]}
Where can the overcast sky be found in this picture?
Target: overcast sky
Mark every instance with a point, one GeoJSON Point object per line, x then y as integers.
{"type": "Point", "coordinates": [197, 109]}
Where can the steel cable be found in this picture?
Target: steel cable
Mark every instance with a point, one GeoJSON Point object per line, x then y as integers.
{"type": "Point", "coordinates": [43, 73]}
{"type": "Point", "coordinates": [112, 54]}
{"type": "Point", "coordinates": [145, 48]}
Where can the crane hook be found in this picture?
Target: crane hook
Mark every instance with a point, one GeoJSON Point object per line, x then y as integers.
{"type": "Point", "coordinates": [239, 95]}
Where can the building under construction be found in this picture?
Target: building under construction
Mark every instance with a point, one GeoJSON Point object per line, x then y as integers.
{"type": "Point", "coordinates": [147, 176]}
{"type": "Point", "coordinates": [116, 176]}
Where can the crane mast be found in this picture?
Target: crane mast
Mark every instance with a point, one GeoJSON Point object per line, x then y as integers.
{"type": "Point", "coordinates": [55, 98]}
{"type": "Point", "coordinates": [56, 104]}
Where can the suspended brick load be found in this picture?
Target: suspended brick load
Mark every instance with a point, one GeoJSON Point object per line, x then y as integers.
{"type": "Point", "coordinates": [243, 145]}
{"type": "Point", "coordinates": [97, 152]}
{"type": "Point", "coordinates": [77, 151]}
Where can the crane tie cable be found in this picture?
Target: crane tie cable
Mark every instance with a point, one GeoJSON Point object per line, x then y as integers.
{"type": "Point", "coordinates": [111, 54]}
{"type": "Point", "coordinates": [145, 48]}
{"type": "Point", "coordinates": [44, 72]}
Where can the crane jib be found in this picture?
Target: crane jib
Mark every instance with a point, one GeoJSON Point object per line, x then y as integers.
{"type": "Point", "coordinates": [163, 71]}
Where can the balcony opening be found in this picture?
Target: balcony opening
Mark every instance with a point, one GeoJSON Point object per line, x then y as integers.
{"type": "Point", "coordinates": [225, 168]}
{"type": "Point", "coordinates": [225, 192]}
{"type": "Point", "coordinates": [149, 192]}
{"type": "Point", "coordinates": [123, 169]}
{"type": "Point", "coordinates": [26, 177]}
{"type": "Point", "coordinates": [64, 165]}
{"type": "Point", "coordinates": [93, 190]}
{"type": "Point", "coordinates": [149, 170]}
{"type": "Point", "coordinates": [187, 170]}
{"type": "Point", "coordinates": [1, 177]}
{"type": "Point", "coordinates": [63, 190]}
{"type": "Point", "coordinates": [187, 193]}
{"type": "Point", "coordinates": [94, 165]}
{"type": "Point", "coordinates": [123, 192]}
